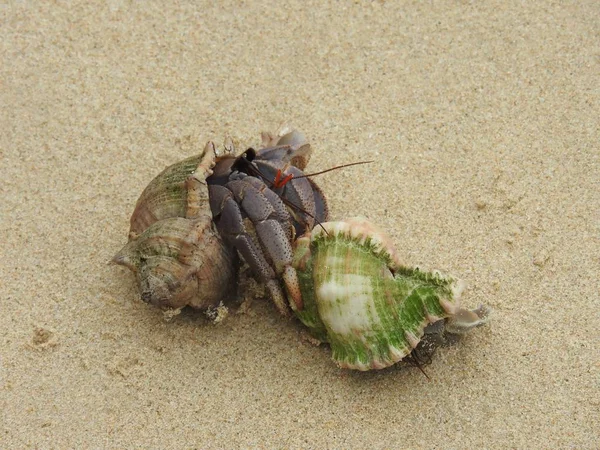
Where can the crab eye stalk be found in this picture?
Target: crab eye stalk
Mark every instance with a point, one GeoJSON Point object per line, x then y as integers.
{"type": "Point", "coordinates": [242, 162]}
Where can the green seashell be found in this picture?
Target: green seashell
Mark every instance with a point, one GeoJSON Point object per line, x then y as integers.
{"type": "Point", "coordinates": [359, 297]}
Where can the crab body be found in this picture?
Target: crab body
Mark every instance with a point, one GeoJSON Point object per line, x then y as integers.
{"type": "Point", "coordinates": [358, 297]}
{"type": "Point", "coordinates": [260, 220]}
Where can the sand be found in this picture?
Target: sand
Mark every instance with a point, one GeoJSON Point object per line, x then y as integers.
{"type": "Point", "coordinates": [483, 123]}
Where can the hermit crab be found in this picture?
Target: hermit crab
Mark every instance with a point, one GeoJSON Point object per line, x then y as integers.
{"type": "Point", "coordinates": [354, 293]}
{"type": "Point", "coordinates": [343, 280]}
{"type": "Point", "coordinates": [193, 218]}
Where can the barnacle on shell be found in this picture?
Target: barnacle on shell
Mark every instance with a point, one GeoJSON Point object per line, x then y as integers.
{"type": "Point", "coordinates": [371, 308]}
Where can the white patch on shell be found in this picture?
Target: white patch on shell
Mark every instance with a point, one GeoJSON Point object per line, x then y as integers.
{"type": "Point", "coordinates": [457, 289]}
{"type": "Point", "coordinates": [347, 304]}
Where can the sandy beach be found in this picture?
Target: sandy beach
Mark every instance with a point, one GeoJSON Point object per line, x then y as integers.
{"type": "Point", "coordinates": [483, 122]}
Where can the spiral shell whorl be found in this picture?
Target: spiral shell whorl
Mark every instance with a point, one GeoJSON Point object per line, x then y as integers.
{"type": "Point", "coordinates": [174, 249]}
{"type": "Point", "coordinates": [180, 262]}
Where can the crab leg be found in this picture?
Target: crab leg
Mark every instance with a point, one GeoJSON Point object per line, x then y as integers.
{"type": "Point", "coordinates": [257, 233]}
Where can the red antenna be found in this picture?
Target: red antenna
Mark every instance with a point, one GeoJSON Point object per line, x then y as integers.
{"type": "Point", "coordinates": [279, 182]}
